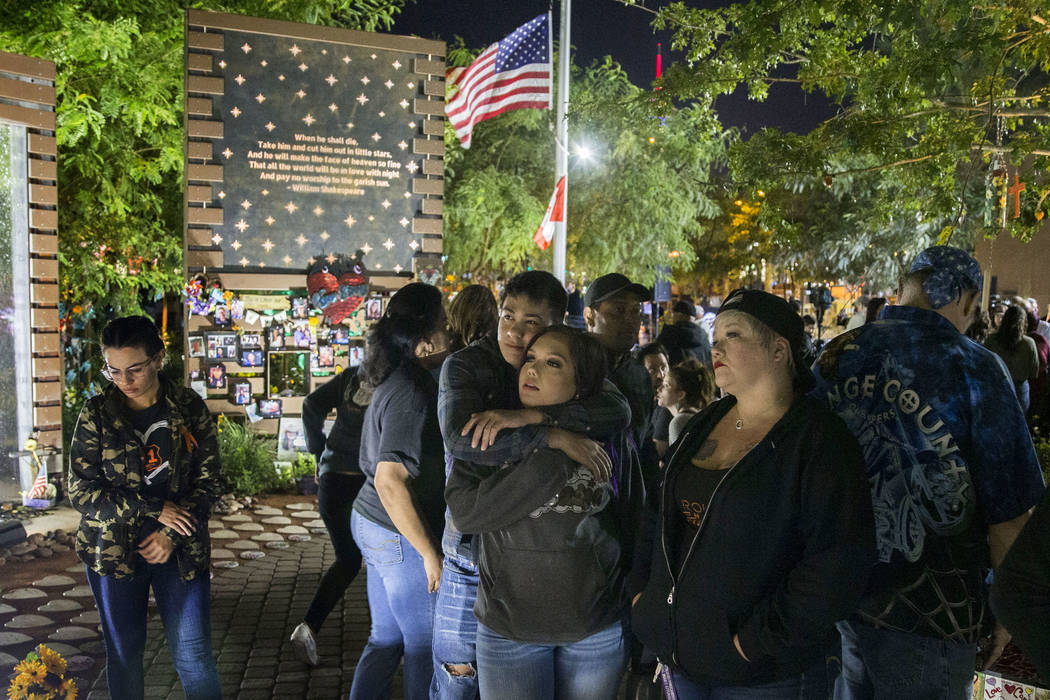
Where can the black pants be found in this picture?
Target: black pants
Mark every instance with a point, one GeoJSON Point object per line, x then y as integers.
{"type": "Point", "coordinates": [335, 499]}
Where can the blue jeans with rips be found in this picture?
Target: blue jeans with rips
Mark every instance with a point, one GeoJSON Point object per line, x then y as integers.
{"type": "Point", "coordinates": [455, 629]}
{"type": "Point", "coordinates": [185, 612]}
{"type": "Point", "coordinates": [589, 669]}
{"type": "Point", "coordinates": [885, 663]}
{"type": "Point", "coordinates": [402, 613]}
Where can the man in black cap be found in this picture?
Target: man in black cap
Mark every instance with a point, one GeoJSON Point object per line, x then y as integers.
{"type": "Point", "coordinates": [683, 338]}
{"type": "Point", "coordinates": [953, 475]}
{"type": "Point", "coordinates": [613, 313]}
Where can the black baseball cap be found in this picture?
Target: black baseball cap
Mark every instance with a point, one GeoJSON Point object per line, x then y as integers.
{"type": "Point", "coordinates": [612, 284]}
{"type": "Point", "coordinates": [777, 314]}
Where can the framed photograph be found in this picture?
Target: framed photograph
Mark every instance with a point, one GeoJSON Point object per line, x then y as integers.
{"type": "Point", "coordinates": [340, 335]}
{"type": "Point", "coordinates": [221, 315]}
{"type": "Point", "coordinates": [357, 355]}
{"type": "Point", "coordinates": [236, 309]}
{"type": "Point", "coordinates": [251, 358]}
{"type": "Point", "coordinates": [373, 309]}
{"type": "Point", "coordinates": [251, 340]}
{"type": "Point", "coordinates": [326, 356]}
{"type": "Point", "coordinates": [299, 308]}
{"type": "Point", "coordinates": [196, 345]}
{"type": "Point", "coordinates": [222, 346]}
{"type": "Point", "coordinates": [287, 373]}
{"type": "Point", "coordinates": [291, 438]}
{"type": "Point", "coordinates": [217, 376]}
{"type": "Point", "coordinates": [302, 335]}
{"type": "Point", "coordinates": [269, 408]}
{"type": "Point", "coordinates": [275, 336]}
{"type": "Point", "coordinates": [242, 393]}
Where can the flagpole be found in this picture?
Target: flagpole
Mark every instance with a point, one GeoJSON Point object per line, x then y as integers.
{"type": "Point", "coordinates": [561, 143]}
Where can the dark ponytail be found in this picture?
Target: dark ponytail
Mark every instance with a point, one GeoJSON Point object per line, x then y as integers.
{"type": "Point", "coordinates": [413, 314]}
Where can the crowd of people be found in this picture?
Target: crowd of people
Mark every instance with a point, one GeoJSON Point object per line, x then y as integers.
{"type": "Point", "coordinates": [551, 512]}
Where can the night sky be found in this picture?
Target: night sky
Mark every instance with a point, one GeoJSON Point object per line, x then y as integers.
{"type": "Point", "coordinates": [600, 28]}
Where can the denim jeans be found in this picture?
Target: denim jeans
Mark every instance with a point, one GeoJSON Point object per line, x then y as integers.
{"type": "Point", "coordinates": [883, 663]}
{"type": "Point", "coordinates": [455, 629]}
{"type": "Point", "coordinates": [335, 499]}
{"type": "Point", "coordinates": [589, 669]}
{"type": "Point", "coordinates": [800, 688]}
{"type": "Point", "coordinates": [185, 612]}
{"type": "Point", "coordinates": [402, 612]}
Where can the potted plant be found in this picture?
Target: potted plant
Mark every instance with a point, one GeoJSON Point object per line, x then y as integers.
{"type": "Point", "coordinates": [304, 473]}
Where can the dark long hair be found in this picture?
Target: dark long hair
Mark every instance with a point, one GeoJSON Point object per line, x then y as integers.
{"type": "Point", "coordinates": [586, 354]}
{"type": "Point", "coordinates": [413, 314]}
{"type": "Point", "coordinates": [874, 308]}
{"type": "Point", "coordinates": [696, 380]}
{"type": "Point", "coordinates": [1012, 327]}
{"type": "Point", "coordinates": [472, 315]}
{"type": "Point", "coordinates": [133, 332]}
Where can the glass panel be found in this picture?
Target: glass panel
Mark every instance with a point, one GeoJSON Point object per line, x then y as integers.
{"type": "Point", "coordinates": [15, 389]}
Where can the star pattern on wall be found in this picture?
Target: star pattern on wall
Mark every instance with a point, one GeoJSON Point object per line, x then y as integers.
{"type": "Point", "coordinates": [307, 152]}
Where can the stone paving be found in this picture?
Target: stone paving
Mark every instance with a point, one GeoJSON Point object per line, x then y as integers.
{"type": "Point", "coordinates": [265, 572]}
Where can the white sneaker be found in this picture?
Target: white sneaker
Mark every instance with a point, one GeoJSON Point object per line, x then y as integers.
{"type": "Point", "coordinates": [304, 645]}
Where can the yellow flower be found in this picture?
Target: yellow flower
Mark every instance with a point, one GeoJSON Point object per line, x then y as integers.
{"type": "Point", "coordinates": [52, 660]}
{"type": "Point", "coordinates": [18, 688]}
{"type": "Point", "coordinates": [35, 670]}
{"type": "Point", "coordinates": [69, 687]}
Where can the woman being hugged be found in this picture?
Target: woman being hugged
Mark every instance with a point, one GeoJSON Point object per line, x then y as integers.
{"type": "Point", "coordinates": [556, 544]}
{"type": "Point", "coordinates": [766, 532]}
{"type": "Point", "coordinates": [144, 473]}
{"type": "Point", "coordinates": [400, 508]}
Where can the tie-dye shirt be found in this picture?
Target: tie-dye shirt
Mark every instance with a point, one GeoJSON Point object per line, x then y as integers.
{"type": "Point", "coordinates": [947, 452]}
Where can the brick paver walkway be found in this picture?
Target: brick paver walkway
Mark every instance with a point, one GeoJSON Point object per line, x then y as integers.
{"type": "Point", "coordinates": [254, 609]}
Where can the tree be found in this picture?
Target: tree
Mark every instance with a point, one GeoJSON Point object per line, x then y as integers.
{"type": "Point", "coordinates": [640, 195]}
{"type": "Point", "coordinates": [936, 94]}
{"type": "Point", "coordinates": [119, 132]}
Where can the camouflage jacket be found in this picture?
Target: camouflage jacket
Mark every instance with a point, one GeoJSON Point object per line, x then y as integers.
{"type": "Point", "coordinates": [106, 481]}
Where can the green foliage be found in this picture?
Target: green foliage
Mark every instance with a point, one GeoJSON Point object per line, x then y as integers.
{"type": "Point", "coordinates": [629, 206]}
{"type": "Point", "coordinates": [1042, 451]}
{"type": "Point", "coordinates": [248, 459]}
{"type": "Point", "coordinates": [929, 92]}
{"type": "Point", "coordinates": [119, 131]}
{"type": "Point", "coordinates": [303, 465]}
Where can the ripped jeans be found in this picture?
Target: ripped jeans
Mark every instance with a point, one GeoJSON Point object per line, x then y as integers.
{"type": "Point", "coordinates": [455, 629]}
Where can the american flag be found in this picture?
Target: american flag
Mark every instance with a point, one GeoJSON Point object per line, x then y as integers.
{"type": "Point", "coordinates": [39, 485]}
{"type": "Point", "coordinates": [514, 73]}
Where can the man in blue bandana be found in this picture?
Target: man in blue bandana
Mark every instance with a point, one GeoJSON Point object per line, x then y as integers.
{"type": "Point", "coordinates": [953, 476]}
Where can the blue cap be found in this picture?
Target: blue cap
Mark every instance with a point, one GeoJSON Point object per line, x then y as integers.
{"type": "Point", "coordinates": [953, 271]}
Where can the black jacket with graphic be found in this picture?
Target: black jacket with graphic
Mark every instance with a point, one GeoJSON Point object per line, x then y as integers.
{"type": "Point", "coordinates": [784, 551]}
{"type": "Point", "coordinates": [556, 546]}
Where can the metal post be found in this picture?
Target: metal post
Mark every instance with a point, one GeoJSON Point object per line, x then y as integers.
{"type": "Point", "coordinates": [561, 146]}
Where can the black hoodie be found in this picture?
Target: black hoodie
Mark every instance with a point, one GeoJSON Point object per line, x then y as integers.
{"type": "Point", "coordinates": [783, 552]}
{"type": "Point", "coordinates": [556, 547]}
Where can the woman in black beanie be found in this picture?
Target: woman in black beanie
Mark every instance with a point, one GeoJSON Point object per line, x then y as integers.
{"type": "Point", "coordinates": [766, 533]}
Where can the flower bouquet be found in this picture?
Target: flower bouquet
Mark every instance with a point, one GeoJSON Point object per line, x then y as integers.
{"type": "Point", "coordinates": [41, 676]}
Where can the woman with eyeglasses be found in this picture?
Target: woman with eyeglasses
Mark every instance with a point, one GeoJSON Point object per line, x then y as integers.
{"type": "Point", "coordinates": [144, 473]}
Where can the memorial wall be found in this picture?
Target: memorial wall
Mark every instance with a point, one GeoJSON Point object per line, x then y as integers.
{"type": "Point", "coordinates": [314, 170]}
